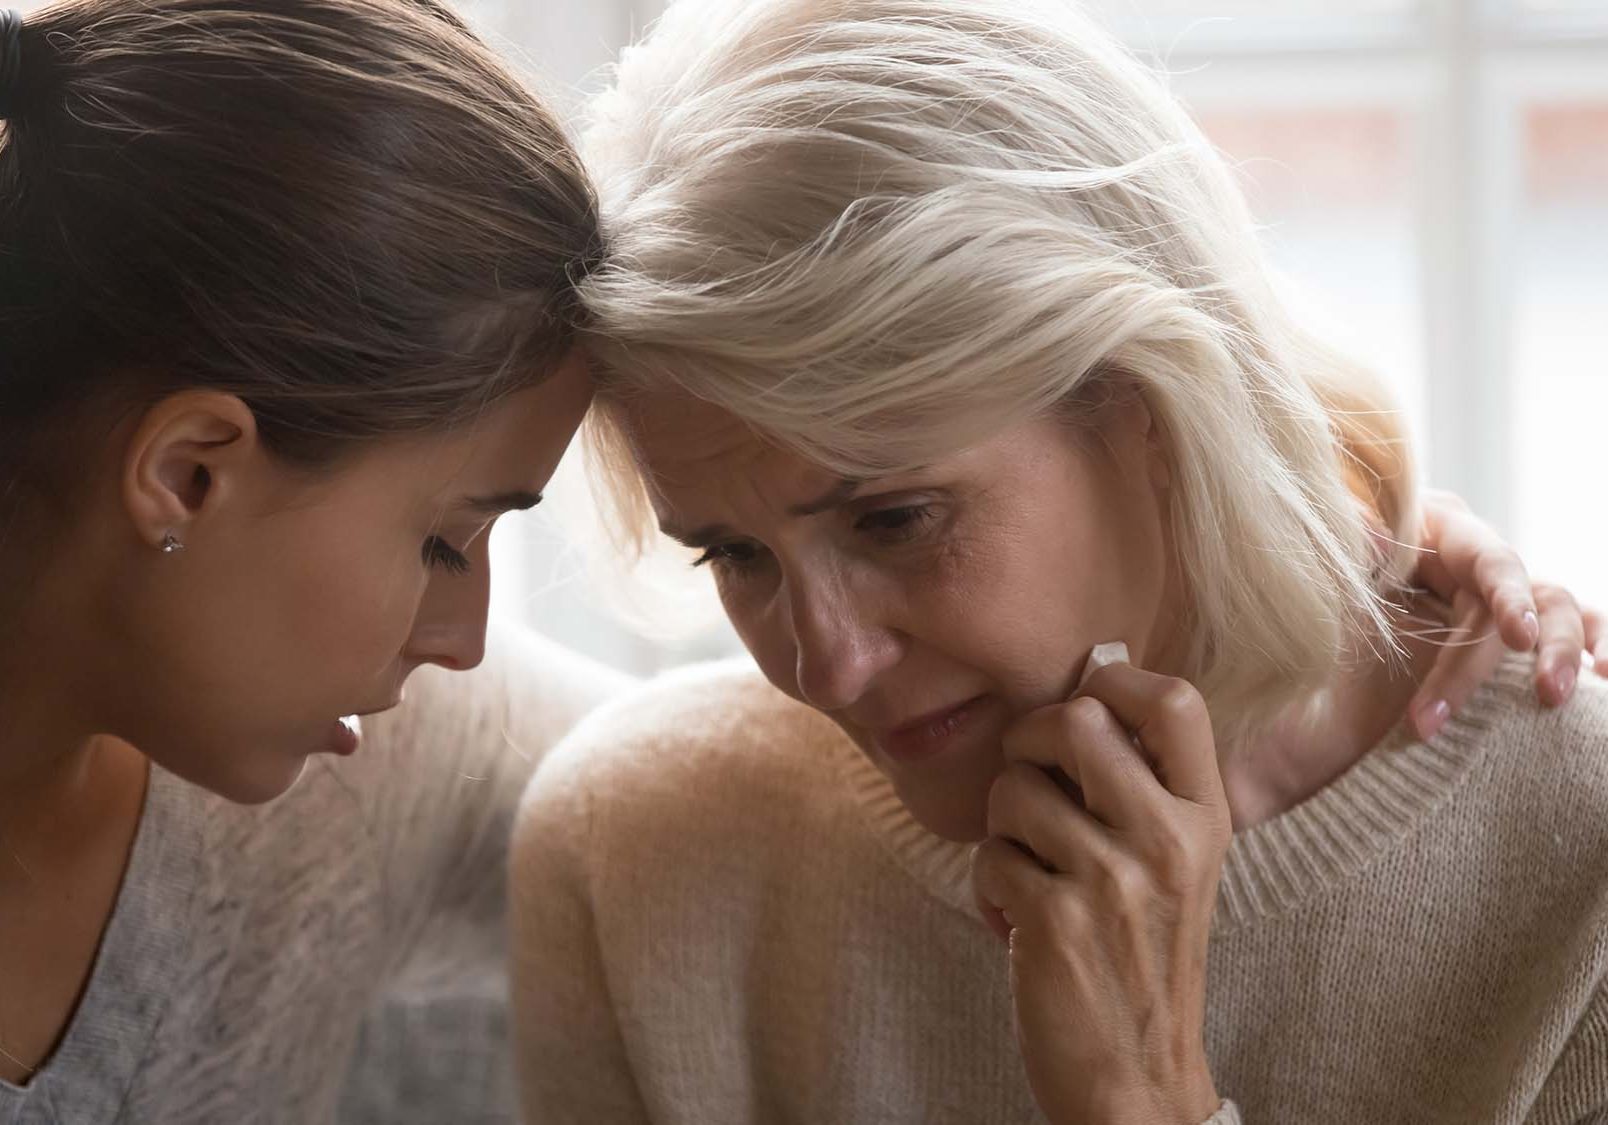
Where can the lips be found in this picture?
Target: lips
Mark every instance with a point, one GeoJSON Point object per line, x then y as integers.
{"type": "Point", "coordinates": [929, 734]}
{"type": "Point", "coordinates": [345, 736]}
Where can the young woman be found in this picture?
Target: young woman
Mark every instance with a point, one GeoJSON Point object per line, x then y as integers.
{"type": "Point", "coordinates": [286, 306]}
{"type": "Point", "coordinates": [939, 332]}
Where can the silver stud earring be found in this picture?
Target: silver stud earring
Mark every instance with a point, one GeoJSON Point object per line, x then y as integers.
{"type": "Point", "coordinates": [171, 544]}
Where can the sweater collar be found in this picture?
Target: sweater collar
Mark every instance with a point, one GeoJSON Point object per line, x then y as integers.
{"type": "Point", "coordinates": [1276, 866]}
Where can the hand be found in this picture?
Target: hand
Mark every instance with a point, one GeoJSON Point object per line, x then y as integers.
{"type": "Point", "coordinates": [1494, 605]}
{"type": "Point", "coordinates": [1107, 832]}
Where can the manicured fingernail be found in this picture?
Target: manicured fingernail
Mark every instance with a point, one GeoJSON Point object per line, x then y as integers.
{"type": "Point", "coordinates": [1433, 717]}
{"type": "Point", "coordinates": [1563, 681]}
{"type": "Point", "coordinates": [1532, 628]}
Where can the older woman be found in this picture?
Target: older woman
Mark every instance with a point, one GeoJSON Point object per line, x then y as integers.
{"type": "Point", "coordinates": [941, 334]}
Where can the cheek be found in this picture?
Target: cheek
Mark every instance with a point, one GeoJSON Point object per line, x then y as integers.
{"type": "Point", "coordinates": [1021, 604]}
{"type": "Point", "coordinates": [765, 634]}
{"type": "Point", "coordinates": [990, 594]}
{"type": "Point", "coordinates": [364, 602]}
{"type": "Point", "coordinates": [337, 610]}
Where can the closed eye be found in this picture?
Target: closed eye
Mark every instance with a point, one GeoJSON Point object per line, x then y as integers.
{"type": "Point", "coordinates": [736, 555]}
{"type": "Point", "coordinates": [896, 524]}
{"type": "Point", "coordinates": [441, 555]}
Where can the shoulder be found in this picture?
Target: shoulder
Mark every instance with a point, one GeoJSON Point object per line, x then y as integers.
{"type": "Point", "coordinates": [1532, 815]}
{"type": "Point", "coordinates": [525, 696]}
{"type": "Point", "coordinates": [691, 750]}
{"type": "Point", "coordinates": [1550, 763]}
{"type": "Point", "coordinates": [717, 715]}
{"type": "Point", "coordinates": [530, 681]}
{"type": "Point", "coordinates": [715, 708]}
{"type": "Point", "coordinates": [438, 779]}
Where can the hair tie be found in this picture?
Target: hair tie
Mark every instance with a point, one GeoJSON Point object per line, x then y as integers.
{"type": "Point", "coordinates": [10, 61]}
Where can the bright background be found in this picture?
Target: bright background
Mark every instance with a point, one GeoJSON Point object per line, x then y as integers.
{"type": "Point", "coordinates": [1432, 173]}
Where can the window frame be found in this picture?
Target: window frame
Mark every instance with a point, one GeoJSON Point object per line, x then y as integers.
{"type": "Point", "coordinates": [1464, 72]}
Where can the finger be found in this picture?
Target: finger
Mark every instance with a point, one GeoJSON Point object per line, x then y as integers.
{"type": "Point", "coordinates": [1596, 628]}
{"type": "Point", "coordinates": [1083, 740]}
{"type": "Point", "coordinates": [1465, 553]}
{"type": "Point", "coordinates": [1563, 638]}
{"type": "Point", "coordinates": [1169, 719]}
{"type": "Point", "coordinates": [1026, 806]}
{"type": "Point", "coordinates": [1005, 882]}
{"type": "Point", "coordinates": [1446, 500]}
{"type": "Point", "coordinates": [1468, 657]}
{"type": "Point", "coordinates": [1430, 572]}
{"type": "Point", "coordinates": [1043, 738]}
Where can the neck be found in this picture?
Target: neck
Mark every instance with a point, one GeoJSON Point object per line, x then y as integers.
{"type": "Point", "coordinates": [1318, 739]}
{"type": "Point", "coordinates": [56, 767]}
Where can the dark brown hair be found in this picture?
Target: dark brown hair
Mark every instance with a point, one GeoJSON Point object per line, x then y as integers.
{"type": "Point", "coordinates": [347, 212]}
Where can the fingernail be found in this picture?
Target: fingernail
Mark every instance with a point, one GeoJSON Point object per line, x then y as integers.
{"type": "Point", "coordinates": [1532, 628]}
{"type": "Point", "coordinates": [1433, 717]}
{"type": "Point", "coordinates": [1563, 682]}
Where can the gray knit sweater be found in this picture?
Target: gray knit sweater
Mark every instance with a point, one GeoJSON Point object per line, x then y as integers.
{"type": "Point", "coordinates": [723, 914]}
{"type": "Point", "coordinates": [262, 963]}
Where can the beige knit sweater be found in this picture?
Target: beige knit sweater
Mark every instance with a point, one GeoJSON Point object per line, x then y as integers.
{"type": "Point", "coordinates": [723, 914]}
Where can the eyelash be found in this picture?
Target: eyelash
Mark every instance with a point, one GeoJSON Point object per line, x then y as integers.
{"type": "Point", "coordinates": [908, 521]}
{"type": "Point", "coordinates": [911, 518]}
{"type": "Point", "coordinates": [440, 554]}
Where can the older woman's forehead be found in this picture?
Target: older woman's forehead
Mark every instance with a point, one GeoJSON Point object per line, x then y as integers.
{"type": "Point", "coordinates": [673, 428]}
{"type": "Point", "coordinates": [697, 458]}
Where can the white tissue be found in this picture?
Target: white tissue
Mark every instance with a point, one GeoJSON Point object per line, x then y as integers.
{"type": "Point", "coordinates": [1112, 652]}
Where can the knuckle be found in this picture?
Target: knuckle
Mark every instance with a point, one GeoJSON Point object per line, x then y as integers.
{"type": "Point", "coordinates": [1556, 599]}
{"type": "Point", "coordinates": [1061, 915]}
{"type": "Point", "coordinates": [1181, 703]}
{"type": "Point", "coordinates": [1447, 501]}
{"type": "Point", "coordinates": [1082, 715]}
{"type": "Point", "coordinates": [1545, 593]}
{"type": "Point", "coordinates": [1491, 569]}
{"type": "Point", "coordinates": [1128, 883]}
{"type": "Point", "coordinates": [1175, 863]}
{"type": "Point", "coordinates": [1185, 851]}
{"type": "Point", "coordinates": [1175, 844]}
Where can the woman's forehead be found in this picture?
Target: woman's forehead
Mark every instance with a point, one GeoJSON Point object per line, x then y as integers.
{"type": "Point", "coordinates": [672, 430]}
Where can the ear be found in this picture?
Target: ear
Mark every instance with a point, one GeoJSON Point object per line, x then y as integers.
{"type": "Point", "coordinates": [183, 459]}
{"type": "Point", "coordinates": [1156, 447]}
{"type": "Point", "coordinates": [1133, 433]}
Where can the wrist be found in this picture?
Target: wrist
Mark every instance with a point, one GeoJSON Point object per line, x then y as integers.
{"type": "Point", "coordinates": [1190, 1101]}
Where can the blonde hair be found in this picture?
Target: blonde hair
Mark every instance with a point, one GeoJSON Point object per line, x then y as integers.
{"type": "Point", "coordinates": [879, 230]}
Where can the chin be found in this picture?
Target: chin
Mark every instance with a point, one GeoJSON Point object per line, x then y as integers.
{"type": "Point", "coordinates": [253, 780]}
{"type": "Point", "coordinates": [274, 781]}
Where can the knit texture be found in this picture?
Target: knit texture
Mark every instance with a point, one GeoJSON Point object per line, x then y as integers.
{"type": "Point", "coordinates": [306, 960]}
{"type": "Point", "coordinates": [722, 913]}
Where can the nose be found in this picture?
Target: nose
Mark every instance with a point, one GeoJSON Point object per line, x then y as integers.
{"type": "Point", "coordinates": [450, 627]}
{"type": "Point", "coordinates": [841, 645]}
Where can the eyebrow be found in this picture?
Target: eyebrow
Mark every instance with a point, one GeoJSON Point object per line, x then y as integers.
{"type": "Point", "coordinates": [840, 493]}
{"type": "Point", "coordinates": [518, 500]}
